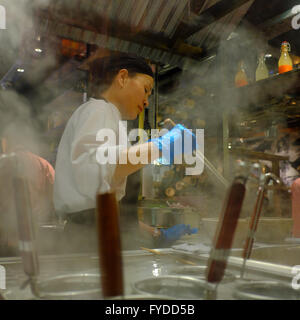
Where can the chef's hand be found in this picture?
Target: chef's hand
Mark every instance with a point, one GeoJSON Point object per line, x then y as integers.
{"type": "Point", "coordinates": [169, 143]}
{"type": "Point", "coordinates": [176, 232]}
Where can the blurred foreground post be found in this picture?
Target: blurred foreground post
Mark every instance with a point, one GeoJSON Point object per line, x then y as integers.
{"type": "Point", "coordinates": [109, 245]}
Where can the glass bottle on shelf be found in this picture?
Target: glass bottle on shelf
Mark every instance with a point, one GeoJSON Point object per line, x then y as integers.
{"type": "Point", "coordinates": [285, 62]}
{"type": "Point", "coordinates": [262, 71]}
{"type": "Point", "coordinates": [241, 76]}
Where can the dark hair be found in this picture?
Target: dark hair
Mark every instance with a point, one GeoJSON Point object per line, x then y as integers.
{"type": "Point", "coordinates": [103, 70]}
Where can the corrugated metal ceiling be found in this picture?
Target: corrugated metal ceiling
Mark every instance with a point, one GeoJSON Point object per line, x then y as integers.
{"type": "Point", "coordinates": [221, 29]}
{"type": "Point", "coordinates": [89, 20]}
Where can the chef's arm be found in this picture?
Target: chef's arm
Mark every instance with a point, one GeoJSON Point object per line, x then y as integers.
{"type": "Point", "coordinates": [168, 236]}
{"type": "Point", "coordinates": [152, 150]}
{"type": "Point", "coordinates": [150, 230]}
{"type": "Point", "coordinates": [147, 152]}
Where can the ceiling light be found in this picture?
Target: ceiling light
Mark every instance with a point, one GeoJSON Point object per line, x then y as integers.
{"type": "Point", "coordinates": [38, 50]}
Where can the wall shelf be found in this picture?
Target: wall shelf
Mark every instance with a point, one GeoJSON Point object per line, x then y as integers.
{"type": "Point", "coordinates": [263, 91]}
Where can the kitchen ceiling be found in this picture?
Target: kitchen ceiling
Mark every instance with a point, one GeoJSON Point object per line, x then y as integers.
{"type": "Point", "coordinates": [180, 34]}
{"type": "Point", "coordinates": [168, 32]}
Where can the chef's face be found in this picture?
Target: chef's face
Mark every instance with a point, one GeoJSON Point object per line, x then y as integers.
{"type": "Point", "coordinates": [135, 92]}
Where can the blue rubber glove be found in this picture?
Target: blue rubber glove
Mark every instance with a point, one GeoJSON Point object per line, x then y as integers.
{"type": "Point", "coordinates": [176, 232]}
{"type": "Point", "coordinates": [170, 143]}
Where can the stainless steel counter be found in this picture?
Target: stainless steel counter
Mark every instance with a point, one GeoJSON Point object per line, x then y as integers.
{"type": "Point", "coordinates": [139, 265]}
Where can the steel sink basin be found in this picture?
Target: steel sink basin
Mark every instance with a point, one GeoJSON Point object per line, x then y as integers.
{"type": "Point", "coordinates": [283, 255]}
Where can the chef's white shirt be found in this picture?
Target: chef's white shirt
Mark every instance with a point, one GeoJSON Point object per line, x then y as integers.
{"type": "Point", "coordinates": [78, 175]}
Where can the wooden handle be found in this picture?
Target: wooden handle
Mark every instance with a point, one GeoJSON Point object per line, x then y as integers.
{"type": "Point", "coordinates": [26, 232]}
{"type": "Point", "coordinates": [225, 232]}
{"type": "Point", "coordinates": [109, 245]}
{"type": "Point", "coordinates": [230, 215]}
{"type": "Point", "coordinates": [248, 248]}
{"type": "Point", "coordinates": [253, 224]}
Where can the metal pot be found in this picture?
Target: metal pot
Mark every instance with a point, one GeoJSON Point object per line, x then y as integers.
{"type": "Point", "coordinates": [176, 287]}
{"type": "Point", "coordinates": [266, 290]}
{"type": "Point", "coordinates": [71, 286]}
{"type": "Point", "coordinates": [199, 273]}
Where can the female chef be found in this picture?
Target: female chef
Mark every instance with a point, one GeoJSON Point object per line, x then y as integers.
{"type": "Point", "coordinates": [120, 88]}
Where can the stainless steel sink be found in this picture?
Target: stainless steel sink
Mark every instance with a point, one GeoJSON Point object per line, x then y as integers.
{"type": "Point", "coordinates": [283, 254]}
{"type": "Point", "coordinates": [138, 266]}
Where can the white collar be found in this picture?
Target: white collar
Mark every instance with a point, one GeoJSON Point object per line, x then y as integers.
{"type": "Point", "coordinates": [111, 104]}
